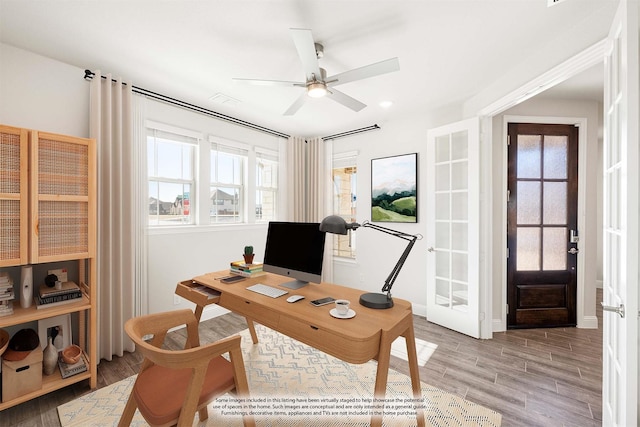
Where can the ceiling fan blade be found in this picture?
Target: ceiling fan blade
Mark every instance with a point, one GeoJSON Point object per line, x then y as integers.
{"type": "Point", "coordinates": [269, 82]}
{"type": "Point", "coordinates": [296, 105]}
{"type": "Point", "coordinates": [303, 39]}
{"type": "Point", "coordinates": [365, 72]}
{"type": "Point", "coordinates": [345, 100]}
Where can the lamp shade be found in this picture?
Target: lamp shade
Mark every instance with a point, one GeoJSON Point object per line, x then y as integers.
{"type": "Point", "coordinates": [335, 224]}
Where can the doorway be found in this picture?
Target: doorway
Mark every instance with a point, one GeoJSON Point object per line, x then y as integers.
{"type": "Point", "coordinates": [542, 225]}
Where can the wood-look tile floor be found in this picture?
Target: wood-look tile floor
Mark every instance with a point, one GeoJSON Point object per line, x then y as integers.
{"type": "Point", "coordinates": [534, 377]}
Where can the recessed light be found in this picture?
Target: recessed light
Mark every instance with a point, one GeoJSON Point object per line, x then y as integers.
{"type": "Point", "coordinates": [386, 104]}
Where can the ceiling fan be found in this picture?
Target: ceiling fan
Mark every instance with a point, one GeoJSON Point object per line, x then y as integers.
{"type": "Point", "coordinates": [316, 82]}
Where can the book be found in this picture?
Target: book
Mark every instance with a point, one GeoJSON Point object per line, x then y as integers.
{"type": "Point", "coordinates": [6, 308]}
{"type": "Point", "coordinates": [67, 370]}
{"type": "Point", "coordinates": [241, 265]}
{"type": "Point", "coordinates": [246, 273]}
{"type": "Point", "coordinates": [5, 278]}
{"type": "Point", "coordinates": [8, 295]}
{"type": "Point", "coordinates": [40, 304]}
{"type": "Point", "coordinates": [67, 287]}
{"type": "Point", "coordinates": [58, 298]}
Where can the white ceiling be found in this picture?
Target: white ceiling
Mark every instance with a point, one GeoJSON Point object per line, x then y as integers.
{"type": "Point", "coordinates": [449, 50]}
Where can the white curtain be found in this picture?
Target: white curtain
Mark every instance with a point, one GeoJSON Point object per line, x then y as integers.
{"type": "Point", "coordinates": [309, 186]}
{"type": "Point", "coordinates": [111, 126]}
{"type": "Point", "coordinates": [307, 177]}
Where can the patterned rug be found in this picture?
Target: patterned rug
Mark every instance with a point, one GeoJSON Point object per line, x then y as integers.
{"type": "Point", "coordinates": [293, 384]}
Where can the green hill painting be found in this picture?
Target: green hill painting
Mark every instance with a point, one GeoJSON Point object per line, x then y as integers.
{"type": "Point", "coordinates": [394, 189]}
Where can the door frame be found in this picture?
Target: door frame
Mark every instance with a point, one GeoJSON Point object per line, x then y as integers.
{"type": "Point", "coordinates": [584, 243]}
{"type": "Point", "coordinates": [592, 56]}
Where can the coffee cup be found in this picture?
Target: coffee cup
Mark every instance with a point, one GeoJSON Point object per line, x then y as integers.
{"type": "Point", "coordinates": [342, 307]}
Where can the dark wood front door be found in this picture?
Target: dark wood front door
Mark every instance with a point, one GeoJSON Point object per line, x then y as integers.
{"type": "Point", "coordinates": [542, 222]}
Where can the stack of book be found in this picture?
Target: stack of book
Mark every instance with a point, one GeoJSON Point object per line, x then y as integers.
{"type": "Point", "coordinates": [49, 297]}
{"type": "Point", "coordinates": [68, 370]}
{"type": "Point", "coordinates": [6, 294]}
{"type": "Point", "coordinates": [247, 270]}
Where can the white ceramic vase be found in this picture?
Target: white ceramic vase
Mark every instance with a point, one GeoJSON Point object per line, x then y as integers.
{"type": "Point", "coordinates": [49, 358]}
{"type": "Point", "coordinates": [26, 286]}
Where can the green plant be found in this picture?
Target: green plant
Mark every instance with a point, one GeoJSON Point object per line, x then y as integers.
{"type": "Point", "coordinates": [248, 250]}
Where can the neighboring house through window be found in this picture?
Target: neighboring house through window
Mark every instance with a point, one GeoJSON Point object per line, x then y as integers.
{"type": "Point", "coordinates": [227, 184]}
{"type": "Point", "coordinates": [171, 159]}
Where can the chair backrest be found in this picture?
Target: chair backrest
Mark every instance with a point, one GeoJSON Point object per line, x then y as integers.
{"type": "Point", "coordinates": [208, 375]}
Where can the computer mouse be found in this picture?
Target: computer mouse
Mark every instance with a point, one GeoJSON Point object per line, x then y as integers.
{"type": "Point", "coordinates": [294, 298]}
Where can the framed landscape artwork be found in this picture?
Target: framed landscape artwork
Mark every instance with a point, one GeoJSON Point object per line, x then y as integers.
{"type": "Point", "coordinates": [394, 189]}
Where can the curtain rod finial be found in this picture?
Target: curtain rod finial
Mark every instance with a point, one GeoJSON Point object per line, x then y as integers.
{"type": "Point", "coordinates": [88, 74]}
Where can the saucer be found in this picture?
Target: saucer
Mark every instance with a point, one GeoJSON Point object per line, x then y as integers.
{"type": "Point", "coordinates": [349, 314]}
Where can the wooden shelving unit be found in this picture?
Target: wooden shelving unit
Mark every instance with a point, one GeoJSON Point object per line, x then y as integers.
{"type": "Point", "coordinates": [48, 189]}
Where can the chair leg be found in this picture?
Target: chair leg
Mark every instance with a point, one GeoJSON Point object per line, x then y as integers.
{"type": "Point", "coordinates": [203, 413]}
{"type": "Point", "coordinates": [128, 412]}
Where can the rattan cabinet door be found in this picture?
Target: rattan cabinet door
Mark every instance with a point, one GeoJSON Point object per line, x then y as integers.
{"type": "Point", "coordinates": [63, 197]}
{"type": "Point", "coordinates": [13, 196]}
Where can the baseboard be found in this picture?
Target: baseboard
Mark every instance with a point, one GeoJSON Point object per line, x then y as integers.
{"type": "Point", "coordinates": [588, 322]}
{"type": "Point", "coordinates": [419, 310]}
{"type": "Point", "coordinates": [498, 325]}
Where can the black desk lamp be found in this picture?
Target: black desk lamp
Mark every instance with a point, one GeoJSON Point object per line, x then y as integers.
{"type": "Point", "coordinates": [337, 225]}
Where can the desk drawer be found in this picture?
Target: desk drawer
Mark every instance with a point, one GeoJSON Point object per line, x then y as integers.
{"type": "Point", "coordinates": [252, 310]}
{"type": "Point", "coordinates": [347, 349]}
{"type": "Point", "coordinates": [196, 293]}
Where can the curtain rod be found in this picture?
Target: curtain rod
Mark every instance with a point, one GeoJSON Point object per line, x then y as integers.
{"type": "Point", "coordinates": [88, 75]}
{"type": "Point", "coordinates": [352, 132]}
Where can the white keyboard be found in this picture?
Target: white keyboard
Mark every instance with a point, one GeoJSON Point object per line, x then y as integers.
{"type": "Point", "coordinates": [269, 291]}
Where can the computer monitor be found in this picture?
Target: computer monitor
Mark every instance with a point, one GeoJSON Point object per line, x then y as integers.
{"type": "Point", "coordinates": [296, 250]}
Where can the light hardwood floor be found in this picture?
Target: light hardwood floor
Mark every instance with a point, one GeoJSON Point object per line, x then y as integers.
{"type": "Point", "coordinates": [534, 377]}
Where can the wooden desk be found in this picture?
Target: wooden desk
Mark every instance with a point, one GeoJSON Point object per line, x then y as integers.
{"type": "Point", "coordinates": [367, 336]}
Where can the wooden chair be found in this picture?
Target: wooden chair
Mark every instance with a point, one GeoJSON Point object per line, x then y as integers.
{"type": "Point", "coordinates": [173, 384]}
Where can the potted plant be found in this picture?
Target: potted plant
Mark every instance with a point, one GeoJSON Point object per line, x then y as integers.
{"type": "Point", "coordinates": [248, 254]}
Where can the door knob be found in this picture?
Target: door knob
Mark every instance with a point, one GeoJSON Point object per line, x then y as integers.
{"type": "Point", "coordinates": [619, 310]}
{"type": "Point", "coordinates": [573, 251]}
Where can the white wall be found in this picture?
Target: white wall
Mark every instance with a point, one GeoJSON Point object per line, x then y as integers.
{"type": "Point", "coordinates": [590, 236]}
{"type": "Point", "coordinates": [42, 94]}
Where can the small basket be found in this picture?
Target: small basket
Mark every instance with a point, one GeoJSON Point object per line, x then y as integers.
{"type": "Point", "coordinates": [72, 354]}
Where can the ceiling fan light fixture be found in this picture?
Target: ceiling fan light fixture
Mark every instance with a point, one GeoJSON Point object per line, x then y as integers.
{"type": "Point", "coordinates": [316, 89]}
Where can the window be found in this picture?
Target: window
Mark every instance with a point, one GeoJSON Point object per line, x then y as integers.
{"type": "Point", "coordinates": [171, 160]}
{"type": "Point", "coordinates": [344, 201]}
{"type": "Point", "coordinates": [266, 185]}
{"type": "Point", "coordinates": [227, 189]}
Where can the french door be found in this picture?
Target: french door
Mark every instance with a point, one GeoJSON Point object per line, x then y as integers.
{"type": "Point", "coordinates": [620, 221]}
{"type": "Point", "coordinates": [453, 229]}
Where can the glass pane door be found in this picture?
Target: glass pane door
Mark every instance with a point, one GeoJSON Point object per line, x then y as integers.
{"type": "Point", "coordinates": [452, 224]}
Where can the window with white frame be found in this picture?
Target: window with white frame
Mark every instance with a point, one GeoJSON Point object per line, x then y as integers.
{"type": "Point", "coordinates": [266, 184]}
{"type": "Point", "coordinates": [344, 177]}
{"type": "Point", "coordinates": [171, 160]}
{"type": "Point", "coordinates": [227, 196]}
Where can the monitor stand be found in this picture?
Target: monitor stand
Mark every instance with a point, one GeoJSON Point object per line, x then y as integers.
{"type": "Point", "coordinates": [294, 284]}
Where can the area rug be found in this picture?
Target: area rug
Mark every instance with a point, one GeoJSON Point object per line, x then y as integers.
{"type": "Point", "coordinates": [293, 384]}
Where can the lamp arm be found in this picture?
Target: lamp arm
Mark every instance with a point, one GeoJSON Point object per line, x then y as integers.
{"type": "Point", "coordinates": [396, 269]}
